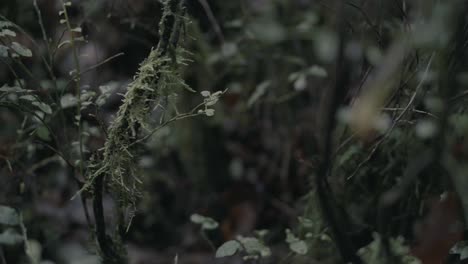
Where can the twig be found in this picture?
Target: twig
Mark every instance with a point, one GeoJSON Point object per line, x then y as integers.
{"type": "Point", "coordinates": [102, 63]}
{"type": "Point", "coordinates": [212, 19]}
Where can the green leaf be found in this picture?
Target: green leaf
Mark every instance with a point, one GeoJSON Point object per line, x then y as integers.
{"type": "Point", "coordinates": [228, 249]}
{"type": "Point", "coordinates": [21, 50]}
{"type": "Point", "coordinates": [34, 101]}
{"type": "Point", "coordinates": [106, 91]}
{"type": "Point", "coordinates": [261, 233]}
{"type": "Point", "coordinates": [298, 247]}
{"type": "Point", "coordinates": [68, 100]}
{"type": "Point", "coordinates": [77, 29]}
{"type": "Point", "coordinates": [7, 32]}
{"type": "Point", "coordinates": [317, 71]}
{"type": "Point", "coordinates": [13, 89]}
{"type": "Point", "coordinates": [43, 107]}
{"type": "Point", "coordinates": [4, 24]}
{"type": "Point", "coordinates": [306, 222]}
{"type": "Point", "coordinates": [290, 237]}
{"type": "Point", "coordinates": [209, 112]}
{"type": "Point", "coordinates": [206, 223]}
{"type": "Point", "coordinates": [8, 216]}
{"type": "Point", "coordinates": [197, 219]}
{"type": "Point", "coordinates": [10, 237]}
{"type": "Point", "coordinates": [34, 251]}
{"type": "Point", "coordinates": [43, 133]}
{"type": "Point", "coordinates": [259, 92]}
{"type": "Point", "coordinates": [464, 253]}
{"type": "Point", "coordinates": [3, 51]}
{"type": "Point", "coordinates": [301, 83]}
{"type": "Point", "coordinates": [253, 246]}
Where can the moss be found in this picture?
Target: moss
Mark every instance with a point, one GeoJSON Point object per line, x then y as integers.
{"type": "Point", "coordinates": [115, 166]}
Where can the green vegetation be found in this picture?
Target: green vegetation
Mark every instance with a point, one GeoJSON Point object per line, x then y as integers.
{"type": "Point", "coordinates": [263, 131]}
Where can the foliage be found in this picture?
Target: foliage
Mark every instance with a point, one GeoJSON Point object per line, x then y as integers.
{"type": "Point", "coordinates": [333, 127]}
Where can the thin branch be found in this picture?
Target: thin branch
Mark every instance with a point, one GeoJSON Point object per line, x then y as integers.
{"type": "Point", "coordinates": [212, 19]}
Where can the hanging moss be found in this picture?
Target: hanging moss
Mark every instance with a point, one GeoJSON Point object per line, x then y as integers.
{"type": "Point", "coordinates": [115, 166]}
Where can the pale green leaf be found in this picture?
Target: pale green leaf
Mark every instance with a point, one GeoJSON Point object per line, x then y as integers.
{"type": "Point", "coordinates": [317, 71]}
{"type": "Point", "coordinates": [3, 51]}
{"type": "Point", "coordinates": [298, 247]}
{"type": "Point", "coordinates": [228, 249]}
{"type": "Point", "coordinates": [34, 251]}
{"type": "Point", "coordinates": [43, 107]}
{"type": "Point", "coordinates": [7, 32]}
{"type": "Point", "coordinates": [260, 90]}
{"type": "Point", "coordinates": [206, 223]}
{"type": "Point", "coordinates": [8, 216]}
{"type": "Point", "coordinates": [300, 83]}
{"type": "Point", "coordinates": [13, 89]}
{"type": "Point", "coordinates": [43, 133]}
{"type": "Point", "coordinates": [21, 50]}
{"type": "Point", "coordinates": [68, 100]}
{"type": "Point", "coordinates": [4, 24]}
{"type": "Point", "coordinates": [253, 246]}
{"type": "Point", "coordinates": [77, 29]}
{"type": "Point", "coordinates": [209, 112]}
{"type": "Point", "coordinates": [10, 237]}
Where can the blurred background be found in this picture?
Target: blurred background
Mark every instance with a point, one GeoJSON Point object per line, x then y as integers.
{"type": "Point", "coordinates": [251, 165]}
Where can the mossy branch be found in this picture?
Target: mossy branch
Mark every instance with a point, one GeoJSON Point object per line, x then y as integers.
{"type": "Point", "coordinates": [115, 167]}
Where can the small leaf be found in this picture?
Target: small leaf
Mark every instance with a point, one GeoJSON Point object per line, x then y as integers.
{"type": "Point", "coordinates": [4, 24]}
{"type": "Point", "coordinates": [206, 223]}
{"type": "Point", "coordinates": [259, 92]}
{"type": "Point", "coordinates": [21, 50]}
{"type": "Point", "coordinates": [8, 216]}
{"type": "Point", "coordinates": [43, 107]}
{"type": "Point", "coordinates": [228, 249]}
{"type": "Point", "coordinates": [290, 237]}
{"type": "Point", "coordinates": [305, 222]}
{"type": "Point", "coordinates": [253, 246]}
{"type": "Point", "coordinates": [295, 244]}
{"type": "Point", "coordinates": [197, 219]}
{"type": "Point", "coordinates": [106, 91]}
{"type": "Point", "coordinates": [3, 51]}
{"type": "Point", "coordinates": [68, 100]}
{"type": "Point", "coordinates": [13, 89]}
{"type": "Point", "coordinates": [464, 253]}
{"type": "Point", "coordinates": [205, 93]}
{"type": "Point", "coordinates": [10, 237]}
{"type": "Point", "coordinates": [209, 112]}
{"type": "Point", "coordinates": [317, 71]}
{"type": "Point", "coordinates": [301, 83]}
{"type": "Point", "coordinates": [7, 32]}
{"type": "Point", "coordinates": [34, 251]}
{"type": "Point", "coordinates": [261, 233]}
{"type": "Point", "coordinates": [43, 133]}
{"type": "Point", "coordinates": [77, 29]}
{"type": "Point", "coordinates": [210, 224]}
{"type": "Point", "coordinates": [299, 247]}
